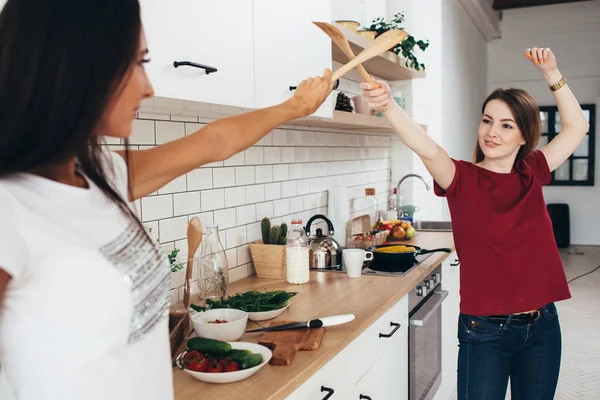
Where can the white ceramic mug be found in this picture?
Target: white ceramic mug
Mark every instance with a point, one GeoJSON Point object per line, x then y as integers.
{"type": "Point", "coordinates": [353, 260]}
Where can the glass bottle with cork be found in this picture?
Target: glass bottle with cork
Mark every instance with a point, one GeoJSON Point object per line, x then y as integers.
{"type": "Point", "coordinates": [372, 207]}
{"type": "Point", "coordinates": [297, 253]}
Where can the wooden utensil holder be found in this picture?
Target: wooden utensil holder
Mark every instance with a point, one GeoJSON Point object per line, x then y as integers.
{"type": "Point", "coordinates": [179, 327]}
{"type": "Point", "coordinates": [268, 259]}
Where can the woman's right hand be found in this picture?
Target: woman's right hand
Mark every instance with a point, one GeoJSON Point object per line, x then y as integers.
{"type": "Point", "coordinates": [312, 92]}
{"type": "Point", "coordinates": [377, 95]}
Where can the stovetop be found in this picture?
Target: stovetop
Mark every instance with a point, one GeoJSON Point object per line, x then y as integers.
{"type": "Point", "coordinates": [368, 271]}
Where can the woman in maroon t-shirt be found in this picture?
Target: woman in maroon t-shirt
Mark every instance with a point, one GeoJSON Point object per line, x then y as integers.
{"type": "Point", "coordinates": [511, 271]}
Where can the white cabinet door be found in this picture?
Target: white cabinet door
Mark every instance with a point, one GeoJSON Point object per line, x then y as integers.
{"type": "Point", "coordinates": [213, 33]}
{"type": "Point", "coordinates": [450, 311]}
{"type": "Point", "coordinates": [289, 48]}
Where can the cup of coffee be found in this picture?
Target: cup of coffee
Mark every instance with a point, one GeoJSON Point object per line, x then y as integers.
{"type": "Point", "coordinates": [354, 259]}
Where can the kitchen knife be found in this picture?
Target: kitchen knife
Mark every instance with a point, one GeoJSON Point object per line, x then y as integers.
{"type": "Point", "coordinates": [313, 323]}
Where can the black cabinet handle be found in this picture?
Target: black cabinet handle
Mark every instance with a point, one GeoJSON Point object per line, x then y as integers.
{"type": "Point", "coordinates": [207, 68]}
{"type": "Point", "coordinates": [328, 390]}
{"type": "Point", "coordinates": [455, 263]}
{"type": "Point", "coordinates": [364, 397]}
{"type": "Point", "coordinates": [396, 327]}
{"type": "Point", "coordinates": [336, 84]}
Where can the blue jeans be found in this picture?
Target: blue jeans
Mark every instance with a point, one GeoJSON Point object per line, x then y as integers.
{"type": "Point", "coordinates": [491, 352]}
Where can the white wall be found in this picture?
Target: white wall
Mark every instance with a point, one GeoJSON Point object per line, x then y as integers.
{"type": "Point", "coordinates": [572, 31]}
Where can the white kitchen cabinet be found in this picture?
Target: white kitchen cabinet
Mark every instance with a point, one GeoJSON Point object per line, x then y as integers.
{"type": "Point", "coordinates": [216, 34]}
{"type": "Point", "coordinates": [289, 48]}
{"type": "Point", "coordinates": [374, 365]}
{"type": "Point", "coordinates": [450, 311]}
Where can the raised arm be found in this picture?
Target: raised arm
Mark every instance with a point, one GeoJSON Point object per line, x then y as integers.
{"type": "Point", "coordinates": [151, 169]}
{"type": "Point", "coordinates": [435, 158]}
{"type": "Point", "coordinates": [574, 124]}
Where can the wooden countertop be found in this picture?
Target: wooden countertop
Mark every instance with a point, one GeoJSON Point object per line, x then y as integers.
{"type": "Point", "coordinates": [327, 293]}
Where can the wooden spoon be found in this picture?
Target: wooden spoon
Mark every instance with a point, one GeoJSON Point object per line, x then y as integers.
{"type": "Point", "coordinates": [340, 41]}
{"type": "Point", "coordinates": [194, 238]}
{"type": "Point", "coordinates": [383, 43]}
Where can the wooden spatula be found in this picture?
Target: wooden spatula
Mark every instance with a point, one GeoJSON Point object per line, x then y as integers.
{"type": "Point", "coordinates": [340, 41]}
{"type": "Point", "coordinates": [383, 43]}
{"type": "Point", "coordinates": [194, 238]}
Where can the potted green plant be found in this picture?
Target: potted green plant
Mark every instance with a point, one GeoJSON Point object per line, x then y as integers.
{"type": "Point", "coordinates": [407, 46]}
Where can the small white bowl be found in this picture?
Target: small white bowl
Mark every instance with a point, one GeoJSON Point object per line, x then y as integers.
{"type": "Point", "coordinates": [227, 332]}
{"type": "Point", "coordinates": [228, 377]}
{"type": "Point", "coordinates": [264, 315]}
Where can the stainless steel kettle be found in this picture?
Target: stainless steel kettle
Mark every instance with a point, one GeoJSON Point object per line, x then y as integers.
{"type": "Point", "coordinates": [325, 251]}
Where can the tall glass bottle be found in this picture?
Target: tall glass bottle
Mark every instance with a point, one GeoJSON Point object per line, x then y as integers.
{"type": "Point", "coordinates": [372, 207]}
{"type": "Point", "coordinates": [214, 274]}
{"type": "Point", "coordinates": [297, 254]}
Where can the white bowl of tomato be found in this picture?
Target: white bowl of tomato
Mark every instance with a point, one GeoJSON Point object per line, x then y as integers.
{"type": "Point", "coordinates": [239, 361]}
{"type": "Point", "coordinates": [225, 324]}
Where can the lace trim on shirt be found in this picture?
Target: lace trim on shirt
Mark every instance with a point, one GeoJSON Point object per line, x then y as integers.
{"type": "Point", "coordinates": [145, 269]}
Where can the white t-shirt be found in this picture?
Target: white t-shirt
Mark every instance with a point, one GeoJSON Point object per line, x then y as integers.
{"type": "Point", "coordinates": [85, 315]}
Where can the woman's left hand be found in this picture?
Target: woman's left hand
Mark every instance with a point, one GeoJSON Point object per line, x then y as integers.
{"type": "Point", "coordinates": [542, 58]}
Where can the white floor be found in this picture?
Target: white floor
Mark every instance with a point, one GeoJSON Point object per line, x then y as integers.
{"type": "Point", "coordinates": [580, 321]}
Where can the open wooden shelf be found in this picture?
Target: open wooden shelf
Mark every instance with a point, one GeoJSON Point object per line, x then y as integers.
{"type": "Point", "coordinates": [387, 66]}
{"type": "Point", "coordinates": [350, 121]}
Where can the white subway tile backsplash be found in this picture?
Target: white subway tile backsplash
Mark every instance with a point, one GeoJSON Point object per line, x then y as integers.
{"type": "Point", "coordinates": [281, 172]}
{"type": "Point", "coordinates": [254, 156]}
{"type": "Point", "coordinates": [226, 218]}
{"type": "Point", "coordinates": [273, 191]}
{"type": "Point", "coordinates": [308, 170]}
{"type": "Point", "coordinates": [231, 255]}
{"type": "Point", "coordinates": [223, 177]}
{"type": "Point", "coordinates": [316, 185]}
{"type": "Point", "coordinates": [244, 176]}
{"type": "Point", "coordinates": [264, 173]}
{"type": "Point", "coordinates": [157, 207]}
{"type": "Point", "coordinates": [223, 238]}
{"type": "Point", "coordinates": [303, 187]}
{"type": "Point", "coordinates": [186, 203]}
{"type": "Point", "coordinates": [272, 155]}
{"type": "Point", "coordinates": [288, 189]}
{"type": "Point", "coordinates": [288, 154]}
{"type": "Point", "coordinates": [142, 132]}
{"type": "Point", "coordinates": [254, 233]}
{"type": "Point", "coordinates": [294, 137]}
{"type": "Point", "coordinates": [264, 210]}
{"type": "Point", "coordinates": [235, 196]}
{"type": "Point", "coordinates": [315, 154]}
{"type": "Point", "coordinates": [236, 159]}
{"type": "Point", "coordinates": [168, 131]}
{"type": "Point", "coordinates": [266, 140]}
{"type": "Point", "coordinates": [212, 199]}
{"type": "Point", "coordinates": [309, 138]}
{"type": "Point", "coordinates": [177, 185]}
{"type": "Point", "coordinates": [173, 228]}
{"type": "Point", "coordinates": [191, 128]}
{"type": "Point", "coordinates": [152, 228]}
{"type": "Point", "coordinates": [310, 201]}
{"type": "Point", "coordinates": [255, 194]}
{"type": "Point", "coordinates": [281, 207]}
{"type": "Point", "coordinates": [321, 169]}
{"type": "Point", "coordinates": [302, 154]}
{"type": "Point", "coordinates": [296, 171]}
{"type": "Point", "coordinates": [280, 137]}
{"type": "Point", "coordinates": [246, 214]}
{"type": "Point", "coordinates": [200, 179]}
{"type": "Point", "coordinates": [236, 237]}
{"type": "Point", "coordinates": [238, 273]}
{"type": "Point", "coordinates": [243, 252]}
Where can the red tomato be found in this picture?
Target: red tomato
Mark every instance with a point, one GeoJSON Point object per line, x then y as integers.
{"type": "Point", "coordinates": [195, 361]}
{"type": "Point", "coordinates": [232, 366]}
{"type": "Point", "coordinates": [214, 366]}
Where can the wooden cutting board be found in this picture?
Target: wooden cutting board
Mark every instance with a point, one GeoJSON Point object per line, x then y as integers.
{"type": "Point", "coordinates": [285, 344]}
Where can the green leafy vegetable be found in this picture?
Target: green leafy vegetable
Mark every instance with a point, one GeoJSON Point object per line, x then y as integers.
{"type": "Point", "coordinates": [252, 301]}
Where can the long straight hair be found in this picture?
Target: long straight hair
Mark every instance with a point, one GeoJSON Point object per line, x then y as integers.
{"type": "Point", "coordinates": [526, 112]}
{"type": "Point", "coordinates": [61, 63]}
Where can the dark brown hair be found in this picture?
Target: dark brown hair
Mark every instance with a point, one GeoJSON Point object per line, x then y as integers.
{"type": "Point", "coordinates": [527, 116]}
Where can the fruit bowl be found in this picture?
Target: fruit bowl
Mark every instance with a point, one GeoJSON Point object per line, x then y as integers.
{"type": "Point", "coordinates": [234, 376]}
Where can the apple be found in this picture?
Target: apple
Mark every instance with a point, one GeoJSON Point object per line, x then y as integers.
{"type": "Point", "coordinates": [386, 227]}
{"type": "Point", "coordinates": [398, 232]}
{"type": "Point", "coordinates": [410, 232]}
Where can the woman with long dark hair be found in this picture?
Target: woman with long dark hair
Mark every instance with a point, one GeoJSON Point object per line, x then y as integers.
{"type": "Point", "coordinates": [511, 271]}
{"type": "Point", "coordinates": [83, 289]}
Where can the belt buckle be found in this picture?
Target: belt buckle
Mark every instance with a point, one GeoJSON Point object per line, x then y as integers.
{"type": "Point", "coordinates": [537, 314]}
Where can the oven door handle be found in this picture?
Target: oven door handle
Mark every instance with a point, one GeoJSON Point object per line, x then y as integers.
{"type": "Point", "coordinates": [429, 308]}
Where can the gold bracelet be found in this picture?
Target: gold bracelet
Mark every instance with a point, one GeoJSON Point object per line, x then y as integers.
{"type": "Point", "coordinates": [558, 84]}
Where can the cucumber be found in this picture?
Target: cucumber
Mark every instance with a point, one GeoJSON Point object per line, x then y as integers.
{"type": "Point", "coordinates": [251, 360]}
{"type": "Point", "coordinates": [238, 354]}
{"type": "Point", "coordinates": [210, 346]}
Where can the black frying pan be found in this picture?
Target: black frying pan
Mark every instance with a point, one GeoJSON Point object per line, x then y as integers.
{"type": "Point", "coordinates": [398, 262]}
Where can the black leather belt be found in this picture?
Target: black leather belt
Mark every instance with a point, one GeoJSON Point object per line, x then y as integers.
{"type": "Point", "coordinates": [519, 319]}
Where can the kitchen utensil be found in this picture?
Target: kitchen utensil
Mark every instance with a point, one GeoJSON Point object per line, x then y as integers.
{"type": "Point", "coordinates": [354, 260]}
{"type": "Point", "coordinates": [234, 376]}
{"type": "Point", "coordinates": [338, 210]}
{"type": "Point", "coordinates": [194, 238]}
{"type": "Point", "coordinates": [340, 41]}
{"type": "Point", "coordinates": [398, 262]}
{"type": "Point", "coordinates": [313, 323]}
{"type": "Point", "coordinates": [326, 252]}
{"type": "Point", "coordinates": [285, 344]}
{"type": "Point", "coordinates": [383, 43]}
{"type": "Point", "coordinates": [352, 25]}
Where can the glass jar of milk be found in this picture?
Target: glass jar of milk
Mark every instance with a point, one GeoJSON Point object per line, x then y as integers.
{"type": "Point", "coordinates": [297, 254]}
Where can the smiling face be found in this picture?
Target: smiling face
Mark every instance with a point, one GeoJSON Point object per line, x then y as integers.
{"type": "Point", "coordinates": [499, 135]}
{"type": "Point", "coordinates": [135, 87]}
